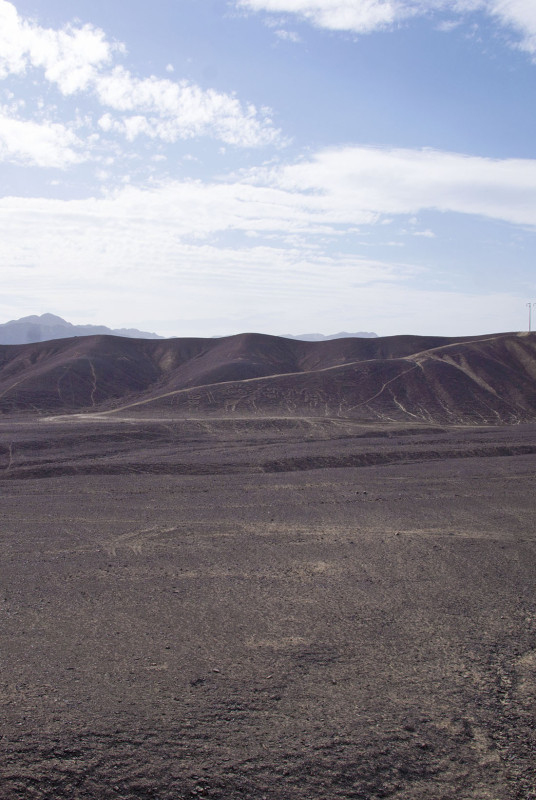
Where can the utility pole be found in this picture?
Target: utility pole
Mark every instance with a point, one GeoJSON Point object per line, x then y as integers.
{"type": "Point", "coordinates": [530, 314]}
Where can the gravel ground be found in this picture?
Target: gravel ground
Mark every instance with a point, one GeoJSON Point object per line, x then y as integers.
{"type": "Point", "coordinates": [266, 608]}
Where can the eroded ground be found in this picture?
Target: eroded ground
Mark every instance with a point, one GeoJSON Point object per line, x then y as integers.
{"type": "Point", "coordinates": [290, 610]}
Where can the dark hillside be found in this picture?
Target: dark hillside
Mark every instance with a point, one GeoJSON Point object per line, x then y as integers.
{"type": "Point", "coordinates": [487, 382]}
{"type": "Point", "coordinates": [489, 378]}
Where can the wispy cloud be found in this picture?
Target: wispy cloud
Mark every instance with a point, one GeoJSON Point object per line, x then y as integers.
{"type": "Point", "coordinates": [287, 36]}
{"type": "Point", "coordinates": [362, 183]}
{"type": "Point", "coordinates": [519, 15]}
{"type": "Point", "coordinates": [296, 213]}
{"type": "Point", "coordinates": [360, 17]}
{"type": "Point", "coordinates": [365, 16]}
{"type": "Point", "coordinates": [80, 59]}
{"type": "Point", "coordinates": [331, 194]}
{"type": "Point", "coordinates": [100, 250]}
{"type": "Point", "coordinates": [427, 234]}
{"type": "Point", "coordinates": [262, 240]}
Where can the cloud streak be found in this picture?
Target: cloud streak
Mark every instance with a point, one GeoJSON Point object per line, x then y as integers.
{"type": "Point", "coordinates": [297, 216]}
{"type": "Point", "coordinates": [329, 194]}
{"type": "Point", "coordinates": [363, 183]}
{"type": "Point", "coordinates": [365, 16]}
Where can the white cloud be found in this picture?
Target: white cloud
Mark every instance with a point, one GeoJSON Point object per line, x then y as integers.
{"type": "Point", "coordinates": [519, 15]}
{"type": "Point", "coordinates": [77, 246]}
{"type": "Point", "coordinates": [298, 263]}
{"type": "Point", "coordinates": [81, 59]}
{"type": "Point", "coordinates": [287, 36]}
{"type": "Point", "coordinates": [299, 209]}
{"type": "Point", "coordinates": [356, 182]}
{"type": "Point", "coordinates": [361, 17]}
{"type": "Point", "coordinates": [179, 110]}
{"type": "Point", "coordinates": [70, 57]}
{"type": "Point", "coordinates": [331, 194]}
{"type": "Point", "coordinates": [427, 234]}
{"type": "Point", "coordinates": [44, 144]}
{"type": "Point", "coordinates": [364, 16]}
{"type": "Point", "coordinates": [310, 203]}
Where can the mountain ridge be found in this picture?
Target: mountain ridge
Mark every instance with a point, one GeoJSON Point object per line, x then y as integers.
{"type": "Point", "coordinates": [489, 379]}
{"type": "Point", "coordinates": [45, 327]}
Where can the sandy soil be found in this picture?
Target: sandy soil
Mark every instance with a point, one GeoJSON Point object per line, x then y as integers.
{"type": "Point", "coordinates": [281, 609]}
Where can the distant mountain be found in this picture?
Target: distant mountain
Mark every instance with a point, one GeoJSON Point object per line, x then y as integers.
{"type": "Point", "coordinates": [48, 326]}
{"type": "Point", "coordinates": [320, 337]}
{"type": "Point", "coordinates": [479, 380]}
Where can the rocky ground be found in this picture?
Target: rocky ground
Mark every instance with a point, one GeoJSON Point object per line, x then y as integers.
{"type": "Point", "coordinates": [289, 609]}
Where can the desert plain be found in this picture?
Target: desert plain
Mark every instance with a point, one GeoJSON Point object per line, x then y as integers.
{"type": "Point", "coordinates": [262, 605]}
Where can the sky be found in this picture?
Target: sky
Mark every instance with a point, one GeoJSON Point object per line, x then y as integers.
{"type": "Point", "coordinates": [210, 167]}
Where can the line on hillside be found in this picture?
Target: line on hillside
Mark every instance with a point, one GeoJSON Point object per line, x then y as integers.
{"type": "Point", "coordinates": [94, 382]}
{"type": "Point", "coordinates": [385, 385]}
{"type": "Point", "coordinates": [208, 386]}
{"type": "Point", "coordinates": [10, 448]}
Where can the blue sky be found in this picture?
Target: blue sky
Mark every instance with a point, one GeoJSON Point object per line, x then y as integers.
{"type": "Point", "coordinates": [206, 167]}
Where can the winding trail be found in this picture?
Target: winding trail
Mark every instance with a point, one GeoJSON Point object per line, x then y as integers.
{"type": "Point", "coordinates": [94, 382]}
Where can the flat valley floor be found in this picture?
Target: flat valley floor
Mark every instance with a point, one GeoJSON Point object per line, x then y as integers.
{"type": "Point", "coordinates": [278, 609]}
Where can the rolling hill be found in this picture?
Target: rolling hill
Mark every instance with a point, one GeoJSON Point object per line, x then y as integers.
{"type": "Point", "coordinates": [488, 379]}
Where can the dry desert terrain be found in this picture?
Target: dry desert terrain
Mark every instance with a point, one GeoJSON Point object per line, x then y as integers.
{"type": "Point", "coordinates": [261, 569]}
{"type": "Point", "coordinates": [290, 609]}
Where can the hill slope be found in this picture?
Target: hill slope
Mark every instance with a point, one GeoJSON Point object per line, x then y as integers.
{"type": "Point", "coordinates": [487, 379]}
